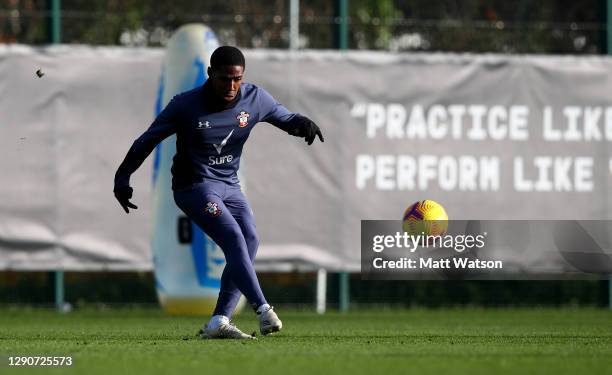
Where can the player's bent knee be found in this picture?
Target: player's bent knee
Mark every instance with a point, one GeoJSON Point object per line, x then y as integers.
{"type": "Point", "coordinates": [229, 239]}
{"type": "Point", "coordinates": [252, 240]}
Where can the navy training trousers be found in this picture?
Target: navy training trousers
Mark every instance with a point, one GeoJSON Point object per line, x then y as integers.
{"type": "Point", "coordinates": [223, 213]}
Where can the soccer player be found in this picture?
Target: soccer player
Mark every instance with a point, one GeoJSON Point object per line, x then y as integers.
{"type": "Point", "coordinates": [212, 123]}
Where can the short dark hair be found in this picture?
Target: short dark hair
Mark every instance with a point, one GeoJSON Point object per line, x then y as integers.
{"type": "Point", "coordinates": [226, 55]}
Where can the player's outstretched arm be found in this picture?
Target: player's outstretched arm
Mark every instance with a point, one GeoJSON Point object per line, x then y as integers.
{"type": "Point", "coordinates": [293, 123]}
{"type": "Point", "coordinates": [160, 129]}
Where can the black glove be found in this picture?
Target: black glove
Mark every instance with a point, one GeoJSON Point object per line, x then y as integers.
{"type": "Point", "coordinates": [306, 129]}
{"type": "Point", "coordinates": [123, 195]}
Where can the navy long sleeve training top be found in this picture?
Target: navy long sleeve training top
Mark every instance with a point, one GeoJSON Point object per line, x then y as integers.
{"type": "Point", "coordinates": [209, 134]}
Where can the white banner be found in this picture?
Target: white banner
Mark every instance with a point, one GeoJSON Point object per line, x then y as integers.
{"type": "Point", "coordinates": [488, 137]}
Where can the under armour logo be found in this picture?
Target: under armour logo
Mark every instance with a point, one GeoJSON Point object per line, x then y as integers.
{"type": "Point", "coordinates": [205, 125]}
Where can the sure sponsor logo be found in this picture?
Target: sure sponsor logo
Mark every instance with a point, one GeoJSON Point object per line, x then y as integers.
{"type": "Point", "coordinates": [217, 160]}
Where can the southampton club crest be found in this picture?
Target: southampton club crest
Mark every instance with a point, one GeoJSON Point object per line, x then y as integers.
{"type": "Point", "coordinates": [243, 119]}
{"type": "Point", "coordinates": [213, 209]}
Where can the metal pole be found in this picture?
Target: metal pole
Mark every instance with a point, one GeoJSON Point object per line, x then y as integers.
{"type": "Point", "coordinates": [55, 31]}
{"type": "Point", "coordinates": [56, 21]}
{"type": "Point", "coordinates": [524, 32]}
{"type": "Point", "coordinates": [342, 26]}
{"type": "Point", "coordinates": [321, 290]}
{"type": "Point", "coordinates": [609, 52]}
{"type": "Point", "coordinates": [610, 293]}
{"type": "Point", "coordinates": [342, 44]}
{"type": "Point", "coordinates": [59, 290]}
{"type": "Point", "coordinates": [344, 291]}
{"type": "Point", "coordinates": [609, 27]}
{"type": "Point", "coordinates": [294, 24]}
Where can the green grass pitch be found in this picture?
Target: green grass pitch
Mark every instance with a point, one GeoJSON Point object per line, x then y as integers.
{"type": "Point", "coordinates": [453, 341]}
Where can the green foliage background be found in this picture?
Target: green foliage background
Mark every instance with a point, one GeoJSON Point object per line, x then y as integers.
{"type": "Point", "coordinates": [521, 26]}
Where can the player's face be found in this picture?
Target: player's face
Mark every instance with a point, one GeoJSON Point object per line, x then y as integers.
{"type": "Point", "coordinates": [226, 81]}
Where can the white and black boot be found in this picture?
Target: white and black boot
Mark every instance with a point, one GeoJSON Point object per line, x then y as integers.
{"type": "Point", "coordinates": [220, 327]}
{"type": "Point", "coordinates": [268, 320]}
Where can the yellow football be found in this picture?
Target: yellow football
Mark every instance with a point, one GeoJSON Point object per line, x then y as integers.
{"type": "Point", "coordinates": [425, 217]}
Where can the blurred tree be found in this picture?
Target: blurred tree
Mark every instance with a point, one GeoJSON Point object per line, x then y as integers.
{"type": "Point", "coordinates": [23, 20]}
{"type": "Point", "coordinates": [521, 26]}
{"type": "Point", "coordinates": [374, 20]}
